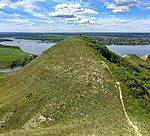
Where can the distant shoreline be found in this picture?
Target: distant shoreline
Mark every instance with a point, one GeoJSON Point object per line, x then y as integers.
{"type": "Point", "coordinates": [108, 38]}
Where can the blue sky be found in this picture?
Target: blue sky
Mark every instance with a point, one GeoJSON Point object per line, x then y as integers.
{"type": "Point", "coordinates": [75, 15]}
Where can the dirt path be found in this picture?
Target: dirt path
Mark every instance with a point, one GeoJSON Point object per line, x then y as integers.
{"type": "Point", "coordinates": [135, 128]}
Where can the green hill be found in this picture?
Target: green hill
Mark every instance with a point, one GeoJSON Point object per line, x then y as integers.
{"type": "Point", "coordinates": [71, 89]}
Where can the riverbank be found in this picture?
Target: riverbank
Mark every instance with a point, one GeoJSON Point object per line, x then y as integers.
{"type": "Point", "coordinates": [36, 47]}
{"type": "Point", "coordinates": [12, 56]}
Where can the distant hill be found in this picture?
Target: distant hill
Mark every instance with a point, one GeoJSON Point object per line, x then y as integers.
{"type": "Point", "coordinates": [73, 89]}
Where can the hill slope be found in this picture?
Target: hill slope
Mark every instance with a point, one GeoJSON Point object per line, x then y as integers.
{"type": "Point", "coordinates": [67, 90]}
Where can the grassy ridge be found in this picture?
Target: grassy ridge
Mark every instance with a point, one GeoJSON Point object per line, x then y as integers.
{"type": "Point", "coordinates": [65, 91]}
{"type": "Point", "coordinates": [13, 56]}
{"type": "Point", "coordinates": [69, 91]}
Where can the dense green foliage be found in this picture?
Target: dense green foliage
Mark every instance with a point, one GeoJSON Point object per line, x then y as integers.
{"type": "Point", "coordinates": [11, 56]}
{"type": "Point", "coordinates": [102, 49]}
{"type": "Point", "coordinates": [3, 40]}
{"type": "Point", "coordinates": [44, 38]}
{"type": "Point", "coordinates": [123, 40]}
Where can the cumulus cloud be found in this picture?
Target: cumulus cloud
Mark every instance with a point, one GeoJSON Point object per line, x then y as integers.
{"type": "Point", "coordinates": [121, 5]}
{"type": "Point", "coordinates": [4, 3]}
{"type": "Point", "coordinates": [70, 10]}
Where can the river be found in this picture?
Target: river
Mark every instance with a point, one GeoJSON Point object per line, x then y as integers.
{"type": "Point", "coordinates": [31, 46]}
{"type": "Point", "coordinates": [128, 49]}
{"type": "Point", "coordinates": [9, 70]}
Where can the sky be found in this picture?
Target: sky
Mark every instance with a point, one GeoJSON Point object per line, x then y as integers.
{"type": "Point", "coordinates": [74, 15]}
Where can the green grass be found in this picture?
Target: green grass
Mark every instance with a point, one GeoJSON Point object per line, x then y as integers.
{"type": "Point", "coordinates": [1, 74]}
{"type": "Point", "coordinates": [65, 91]}
{"type": "Point", "coordinates": [10, 55]}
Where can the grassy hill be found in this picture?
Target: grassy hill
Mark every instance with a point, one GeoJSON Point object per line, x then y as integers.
{"type": "Point", "coordinates": [10, 55]}
{"type": "Point", "coordinates": [68, 90]}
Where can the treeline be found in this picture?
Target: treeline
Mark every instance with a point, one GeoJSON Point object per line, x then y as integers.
{"type": "Point", "coordinates": [123, 41]}
{"type": "Point", "coordinates": [3, 40]}
{"type": "Point", "coordinates": [50, 39]}
{"type": "Point", "coordinates": [7, 46]}
{"type": "Point", "coordinates": [43, 38]}
{"type": "Point", "coordinates": [22, 62]}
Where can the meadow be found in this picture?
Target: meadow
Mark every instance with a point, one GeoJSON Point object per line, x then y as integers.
{"type": "Point", "coordinates": [11, 56]}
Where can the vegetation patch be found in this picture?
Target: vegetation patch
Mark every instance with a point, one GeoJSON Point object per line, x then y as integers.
{"type": "Point", "coordinates": [11, 56]}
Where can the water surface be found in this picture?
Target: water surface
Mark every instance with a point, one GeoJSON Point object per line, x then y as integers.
{"type": "Point", "coordinates": [125, 49]}
{"type": "Point", "coordinates": [9, 70]}
{"type": "Point", "coordinates": [31, 46]}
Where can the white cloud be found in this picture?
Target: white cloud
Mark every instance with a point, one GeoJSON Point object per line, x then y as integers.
{"type": "Point", "coordinates": [17, 20]}
{"type": "Point", "coordinates": [117, 9]}
{"type": "Point", "coordinates": [121, 5]}
{"type": "Point", "coordinates": [4, 3]}
{"type": "Point", "coordinates": [70, 10]}
{"type": "Point", "coordinates": [27, 5]}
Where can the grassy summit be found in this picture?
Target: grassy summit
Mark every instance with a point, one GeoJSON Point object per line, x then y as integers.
{"type": "Point", "coordinates": [67, 90]}
{"type": "Point", "coordinates": [10, 55]}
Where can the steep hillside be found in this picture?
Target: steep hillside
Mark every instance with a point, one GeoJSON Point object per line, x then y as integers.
{"type": "Point", "coordinates": [69, 90]}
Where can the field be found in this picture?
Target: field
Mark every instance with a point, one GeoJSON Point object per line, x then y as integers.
{"type": "Point", "coordinates": [13, 56]}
